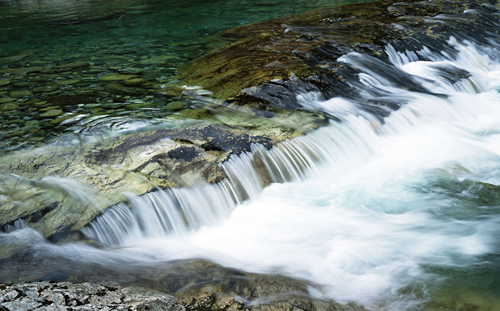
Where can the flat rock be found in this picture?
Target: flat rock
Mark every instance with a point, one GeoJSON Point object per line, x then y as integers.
{"type": "Point", "coordinates": [135, 82]}
{"type": "Point", "coordinates": [51, 113]}
{"type": "Point", "coordinates": [8, 107]}
{"type": "Point", "coordinates": [85, 296]}
{"type": "Point", "coordinates": [108, 78]}
{"type": "Point", "coordinates": [23, 93]}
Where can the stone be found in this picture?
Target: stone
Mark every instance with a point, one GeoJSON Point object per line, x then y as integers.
{"type": "Point", "coordinates": [8, 107]}
{"type": "Point", "coordinates": [44, 296]}
{"type": "Point", "coordinates": [108, 78]}
{"type": "Point", "coordinates": [175, 106]}
{"type": "Point", "coordinates": [158, 60]}
{"type": "Point", "coordinates": [4, 82]}
{"type": "Point", "coordinates": [73, 65]}
{"type": "Point", "coordinates": [45, 89]}
{"type": "Point", "coordinates": [115, 88]}
{"type": "Point", "coordinates": [68, 82]}
{"type": "Point", "coordinates": [135, 82]}
{"type": "Point", "coordinates": [14, 59]}
{"type": "Point", "coordinates": [51, 113]}
{"type": "Point", "coordinates": [7, 100]}
{"type": "Point", "coordinates": [23, 93]}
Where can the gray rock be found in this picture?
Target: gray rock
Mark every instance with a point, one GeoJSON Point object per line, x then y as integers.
{"type": "Point", "coordinates": [83, 296]}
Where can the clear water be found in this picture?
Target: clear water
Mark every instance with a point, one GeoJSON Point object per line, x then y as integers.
{"type": "Point", "coordinates": [153, 38]}
{"type": "Point", "coordinates": [395, 215]}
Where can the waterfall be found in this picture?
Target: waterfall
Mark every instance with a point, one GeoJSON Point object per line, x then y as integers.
{"type": "Point", "coordinates": [340, 144]}
{"type": "Point", "coordinates": [376, 209]}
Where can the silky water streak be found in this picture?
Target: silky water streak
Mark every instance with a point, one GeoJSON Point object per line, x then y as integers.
{"type": "Point", "coordinates": [381, 210]}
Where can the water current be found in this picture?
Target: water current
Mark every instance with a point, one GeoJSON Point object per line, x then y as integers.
{"type": "Point", "coordinates": [389, 212]}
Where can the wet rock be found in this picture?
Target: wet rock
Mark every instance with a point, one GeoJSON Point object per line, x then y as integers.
{"type": "Point", "coordinates": [7, 100]}
{"type": "Point", "coordinates": [48, 206]}
{"type": "Point", "coordinates": [86, 296]}
{"type": "Point", "coordinates": [13, 59]}
{"type": "Point", "coordinates": [69, 82]}
{"type": "Point", "coordinates": [51, 113]}
{"type": "Point", "coordinates": [115, 88]}
{"type": "Point", "coordinates": [73, 65]}
{"type": "Point", "coordinates": [135, 82]}
{"type": "Point", "coordinates": [71, 100]}
{"type": "Point", "coordinates": [175, 106]}
{"type": "Point", "coordinates": [23, 93]}
{"type": "Point", "coordinates": [45, 89]}
{"type": "Point", "coordinates": [109, 78]}
{"type": "Point", "coordinates": [8, 107]}
{"type": "Point", "coordinates": [163, 59]}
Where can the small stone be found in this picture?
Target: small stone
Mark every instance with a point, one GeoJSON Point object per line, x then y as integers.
{"type": "Point", "coordinates": [48, 108]}
{"type": "Point", "coordinates": [68, 82]}
{"type": "Point", "coordinates": [116, 77]}
{"type": "Point", "coordinates": [135, 82]}
{"type": "Point", "coordinates": [51, 113]}
{"type": "Point", "coordinates": [20, 84]}
{"type": "Point", "coordinates": [8, 107]}
{"type": "Point", "coordinates": [6, 100]}
{"type": "Point", "coordinates": [175, 106]}
{"type": "Point", "coordinates": [31, 123]}
{"type": "Point", "coordinates": [4, 82]}
{"type": "Point", "coordinates": [73, 65]}
{"type": "Point", "coordinates": [158, 60]}
{"type": "Point", "coordinates": [20, 93]}
{"type": "Point", "coordinates": [44, 89]}
{"type": "Point", "coordinates": [115, 88]}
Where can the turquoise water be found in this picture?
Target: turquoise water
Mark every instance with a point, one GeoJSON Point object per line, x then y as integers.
{"type": "Point", "coordinates": [147, 38]}
{"type": "Point", "coordinates": [399, 213]}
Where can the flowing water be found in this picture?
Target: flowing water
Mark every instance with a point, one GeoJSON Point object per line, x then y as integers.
{"type": "Point", "coordinates": [391, 212]}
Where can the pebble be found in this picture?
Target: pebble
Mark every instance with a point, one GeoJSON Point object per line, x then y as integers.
{"type": "Point", "coordinates": [51, 113]}
{"type": "Point", "coordinates": [134, 82]}
{"type": "Point", "coordinates": [7, 100]}
{"type": "Point", "coordinates": [116, 77]}
{"type": "Point", "coordinates": [68, 82]}
{"type": "Point", "coordinates": [44, 89]}
{"type": "Point", "coordinates": [8, 107]}
{"type": "Point", "coordinates": [175, 106]}
{"type": "Point", "coordinates": [21, 93]}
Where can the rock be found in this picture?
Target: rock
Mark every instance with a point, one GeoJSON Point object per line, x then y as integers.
{"type": "Point", "coordinates": [109, 78]}
{"type": "Point", "coordinates": [8, 107]}
{"type": "Point", "coordinates": [51, 113]}
{"type": "Point", "coordinates": [45, 89]}
{"type": "Point", "coordinates": [7, 100]}
{"type": "Point", "coordinates": [175, 106]}
{"type": "Point", "coordinates": [85, 296]}
{"type": "Point", "coordinates": [68, 82]}
{"type": "Point", "coordinates": [14, 59]}
{"type": "Point", "coordinates": [4, 82]}
{"type": "Point", "coordinates": [163, 59]}
{"type": "Point", "coordinates": [71, 100]}
{"type": "Point", "coordinates": [115, 88]}
{"type": "Point", "coordinates": [23, 70]}
{"type": "Point", "coordinates": [73, 65]}
{"type": "Point", "coordinates": [135, 82]}
{"type": "Point", "coordinates": [50, 207]}
{"type": "Point", "coordinates": [23, 93]}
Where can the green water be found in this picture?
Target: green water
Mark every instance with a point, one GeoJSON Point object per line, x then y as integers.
{"type": "Point", "coordinates": [148, 39]}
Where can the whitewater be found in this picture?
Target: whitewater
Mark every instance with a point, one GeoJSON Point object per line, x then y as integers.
{"type": "Point", "coordinates": [380, 209]}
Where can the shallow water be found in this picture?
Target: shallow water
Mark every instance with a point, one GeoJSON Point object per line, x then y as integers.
{"type": "Point", "coordinates": [398, 212]}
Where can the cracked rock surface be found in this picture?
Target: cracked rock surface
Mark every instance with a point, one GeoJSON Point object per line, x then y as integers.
{"type": "Point", "coordinates": [84, 296]}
